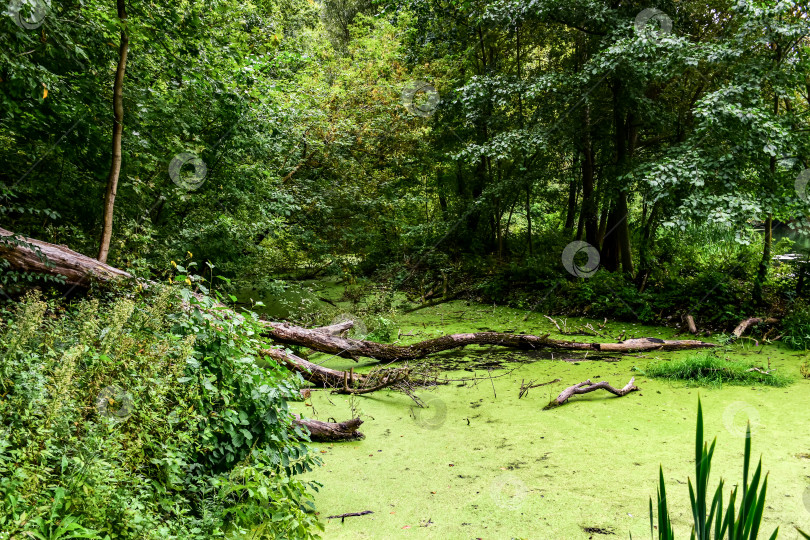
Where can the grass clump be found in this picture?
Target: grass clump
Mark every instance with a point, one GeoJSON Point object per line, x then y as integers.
{"type": "Point", "coordinates": [706, 369]}
{"type": "Point", "coordinates": [716, 520]}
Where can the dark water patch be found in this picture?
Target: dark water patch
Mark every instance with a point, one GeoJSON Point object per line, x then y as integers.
{"type": "Point", "coordinates": [468, 360]}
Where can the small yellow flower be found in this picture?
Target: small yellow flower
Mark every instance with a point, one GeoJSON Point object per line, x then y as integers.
{"type": "Point", "coordinates": [190, 255]}
{"type": "Point", "coordinates": [174, 264]}
{"type": "Point", "coordinates": [188, 281]}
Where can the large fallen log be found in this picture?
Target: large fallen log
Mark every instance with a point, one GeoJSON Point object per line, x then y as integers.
{"type": "Point", "coordinates": [32, 255]}
{"type": "Point", "coordinates": [29, 254]}
{"type": "Point", "coordinates": [352, 348]}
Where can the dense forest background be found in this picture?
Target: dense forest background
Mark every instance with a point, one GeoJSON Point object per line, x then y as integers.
{"type": "Point", "coordinates": [440, 148]}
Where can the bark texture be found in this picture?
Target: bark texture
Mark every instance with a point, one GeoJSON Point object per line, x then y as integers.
{"type": "Point", "coordinates": [331, 431]}
{"type": "Point", "coordinates": [588, 386]}
{"type": "Point", "coordinates": [118, 129]}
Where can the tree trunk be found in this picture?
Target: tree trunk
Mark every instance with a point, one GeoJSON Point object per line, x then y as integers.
{"type": "Point", "coordinates": [529, 217]}
{"type": "Point", "coordinates": [765, 263]}
{"type": "Point", "coordinates": [118, 127]}
{"type": "Point", "coordinates": [588, 193]}
{"type": "Point", "coordinates": [77, 269]}
{"type": "Point", "coordinates": [573, 188]}
{"type": "Point", "coordinates": [331, 431]}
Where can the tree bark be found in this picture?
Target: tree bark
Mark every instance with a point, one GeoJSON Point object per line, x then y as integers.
{"type": "Point", "coordinates": [31, 255]}
{"type": "Point", "coordinates": [78, 269]}
{"type": "Point", "coordinates": [331, 431]}
{"type": "Point", "coordinates": [588, 386]}
{"type": "Point", "coordinates": [351, 348]}
{"type": "Point", "coordinates": [748, 323]}
{"type": "Point", "coordinates": [118, 128]}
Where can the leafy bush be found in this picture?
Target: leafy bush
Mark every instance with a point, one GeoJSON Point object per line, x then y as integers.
{"type": "Point", "coordinates": [138, 418]}
{"type": "Point", "coordinates": [706, 369]}
{"type": "Point", "coordinates": [717, 520]}
{"type": "Point", "coordinates": [796, 327]}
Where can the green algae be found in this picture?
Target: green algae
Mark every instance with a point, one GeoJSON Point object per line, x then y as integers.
{"type": "Point", "coordinates": [478, 462]}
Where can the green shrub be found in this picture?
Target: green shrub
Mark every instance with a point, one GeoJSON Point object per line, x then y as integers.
{"type": "Point", "coordinates": [796, 327]}
{"type": "Point", "coordinates": [141, 418]}
{"type": "Point", "coordinates": [707, 369]}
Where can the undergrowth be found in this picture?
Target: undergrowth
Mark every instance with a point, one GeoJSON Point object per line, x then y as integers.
{"type": "Point", "coordinates": [135, 417]}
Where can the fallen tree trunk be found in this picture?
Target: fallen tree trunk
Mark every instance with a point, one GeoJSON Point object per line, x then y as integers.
{"type": "Point", "coordinates": [320, 376]}
{"type": "Point", "coordinates": [588, 386]}
{"type": "Point", "coordinates": [751, 322]}
{"type": "Point", "coordinates": [29, 254]}
{"type": "Point", "coordinates": [352, 348]}
{"type": "Point", "coordinates": [331, 431]}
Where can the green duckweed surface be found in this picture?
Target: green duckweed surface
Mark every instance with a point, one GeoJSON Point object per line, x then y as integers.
{"type": "Point", "coordinates": [478, 462]}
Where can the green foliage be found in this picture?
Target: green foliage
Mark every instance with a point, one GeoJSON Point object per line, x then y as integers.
{"type": "Point", "coordinates": [708, 369]}
{"type": "Point", "coordinates": [796, 327]}
{"type": "Point", "coordinates": [716, 521]}
{"type": "Point", "coordinates": [146, 417]}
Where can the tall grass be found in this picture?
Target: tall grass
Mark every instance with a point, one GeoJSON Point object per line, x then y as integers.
{"type": "Point", "coordinates": [707, 369]}
{"type": "Point", "coordinates": [716, 520]}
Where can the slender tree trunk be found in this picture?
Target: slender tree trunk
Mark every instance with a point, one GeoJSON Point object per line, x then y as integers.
{"type": "Point", "coordinates": [573, 189]}
{"type": "Point", "coordinates": [618, 244]}
{"type": "Point", "coordinates": [529, 216]}
{"type": "Point", "coordinates": [118, 127]}
{"type": "Point", "coordinates": [765, 263]}
{"type": "Point", "coordinates": [603, 218]}
{"type": "Point", "coordinates": [588, 192]}
{"type": "Point", "coordinates": [624, 234]}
